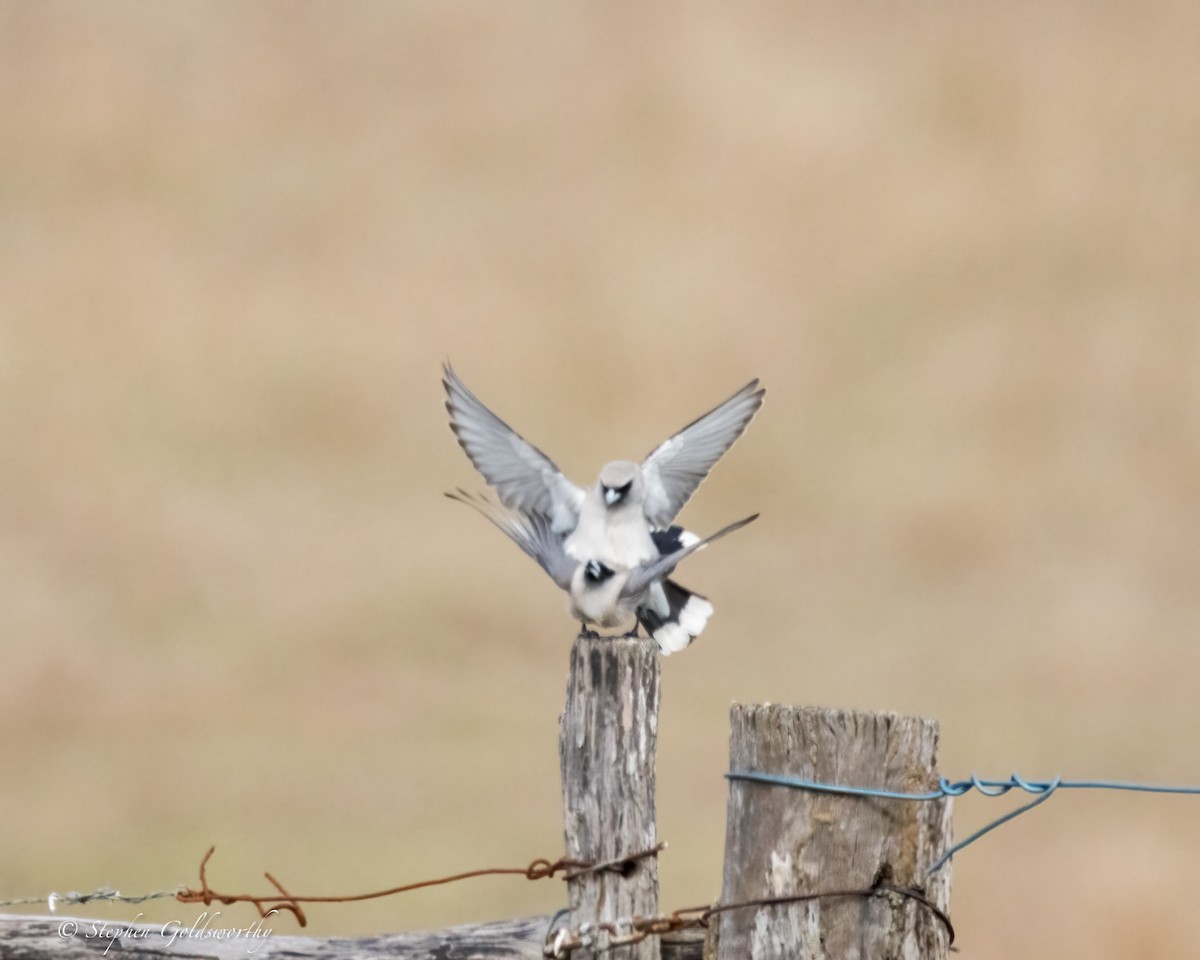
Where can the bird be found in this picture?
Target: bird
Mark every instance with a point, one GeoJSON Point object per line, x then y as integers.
{"type": "Point", "coordinates": [611, 595]}
{"type": "Point", "coordinates": [620, 519]}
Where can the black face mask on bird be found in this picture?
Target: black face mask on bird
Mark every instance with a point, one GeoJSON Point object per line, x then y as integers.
{"type": "Point", "coordinates": [615, 496]}
{"type": "Point", "coordinates": [596, 572]}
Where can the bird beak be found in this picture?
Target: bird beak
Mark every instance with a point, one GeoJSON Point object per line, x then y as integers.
{"type": "Point", "coordinates": [611, 495]}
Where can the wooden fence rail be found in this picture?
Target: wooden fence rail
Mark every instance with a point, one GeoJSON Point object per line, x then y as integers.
{"type": "Point", "coordinates": [38, 938]}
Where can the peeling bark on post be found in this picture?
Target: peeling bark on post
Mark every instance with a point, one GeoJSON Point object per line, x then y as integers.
{"type": "Point", "coordinates": [608, 738]}
{"type": "Point", "coordinates": [783, 841]}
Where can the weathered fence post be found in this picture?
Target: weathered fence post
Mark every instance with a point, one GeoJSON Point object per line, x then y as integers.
{"type": "Point", "coordinates": [782, 841]}
{"type": "Point", "coordinates": [607, 741]}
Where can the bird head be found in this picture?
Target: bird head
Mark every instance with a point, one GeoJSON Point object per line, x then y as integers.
{"type": "Point", "coordinates": [620, 484]}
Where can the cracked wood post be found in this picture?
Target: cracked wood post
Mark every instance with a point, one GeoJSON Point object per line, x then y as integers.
{"type": "Point", "coordinates": [781, 840]}
{"type": "Point", "coordinates": [608, 736]}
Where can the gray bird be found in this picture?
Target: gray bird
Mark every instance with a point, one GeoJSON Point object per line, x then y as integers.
{"type": "Point", "coordinates": [616, 520]}
{"type": "Point", "coordinates": [612, 595]}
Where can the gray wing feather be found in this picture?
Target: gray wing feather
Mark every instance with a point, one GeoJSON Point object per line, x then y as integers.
{"type": "Point", "coordinates": [652, 570]}
{"type": "Point", "coordinates": [676, 468]}
{"type": "Point", "coordinates": [533, 533]}
{"type": "Point", "coordinates": [524, 478]}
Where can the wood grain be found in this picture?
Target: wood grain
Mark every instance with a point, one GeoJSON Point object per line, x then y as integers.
{"type": "Point", "coordinates": [781, 841]}
{"type": "Point", "coordinates": [608, 737]}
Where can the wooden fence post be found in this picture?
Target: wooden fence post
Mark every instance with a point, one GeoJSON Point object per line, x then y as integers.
{"type": "Point", "coordinates": [781, 841]}
{"type": "Point", "coordinates": [608, 737]}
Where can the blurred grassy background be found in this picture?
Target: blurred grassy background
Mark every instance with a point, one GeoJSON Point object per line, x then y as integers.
{"type": "Point", "coordinates": [959, 242]}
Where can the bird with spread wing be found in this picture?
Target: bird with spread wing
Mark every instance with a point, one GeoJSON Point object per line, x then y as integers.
{"type": "Point", "coordinates": [620, 524]}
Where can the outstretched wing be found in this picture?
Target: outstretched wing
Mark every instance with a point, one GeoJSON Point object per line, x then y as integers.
{"type": "Point", "coordinates": [524, 478]}
{"type": "Point", "coordinates": [652, 570]}
{"type": "Point", "coordinates": [675, 469]}
{"type": "Point", "coordinates": [532, 532]}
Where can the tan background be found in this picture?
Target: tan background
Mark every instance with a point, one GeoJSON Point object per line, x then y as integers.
{"type": "Point", "coordinates": [960, 242]}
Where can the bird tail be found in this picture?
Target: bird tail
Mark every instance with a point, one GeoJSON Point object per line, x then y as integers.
{"type": "Point", "coordinates": [670, 539]}
{"type": "Point", "coordinates": [684, 620]}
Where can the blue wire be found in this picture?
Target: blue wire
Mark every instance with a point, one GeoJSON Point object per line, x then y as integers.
{"type": "Point", "coordinates": [1043, 789]}
{"type": "Point", "coordinates": [1011, 815]}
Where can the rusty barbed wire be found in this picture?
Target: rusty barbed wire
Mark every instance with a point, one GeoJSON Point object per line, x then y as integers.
{"type": "Point", "coordinates": [597, 937]}
{"type": "Point", "coordinates": [538, 869]}
{"type": "Point", "coordinates": [610, 934]}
